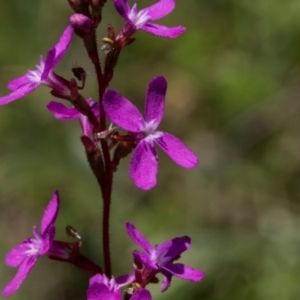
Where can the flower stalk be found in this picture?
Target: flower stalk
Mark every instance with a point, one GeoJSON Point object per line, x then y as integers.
{"type": "Point", "coordinates": [105, 147]}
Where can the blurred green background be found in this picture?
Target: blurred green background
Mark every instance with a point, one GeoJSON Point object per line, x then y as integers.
{"type": "Point", "coordinates": [233, 97]}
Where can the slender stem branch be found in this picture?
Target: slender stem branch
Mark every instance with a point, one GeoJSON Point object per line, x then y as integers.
{"type": "Point", "coordinates": [107, 189]}
{"type": "Point", "coordinates": [105, 223]}
{"type": "Point", "coordinates": [103, 79]}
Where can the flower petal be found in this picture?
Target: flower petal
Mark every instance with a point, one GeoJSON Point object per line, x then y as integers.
{"type": "Point", "coordinates": [24, 269]}
{"type": "Point", "coordinates": [123, 8]}
{"type": "Point", "coordinates": [145, 259]}
{"type": "Point", "coordinates": [61, 112]}
{"type": "Point", "coordinates": [174, 247]}
{"type": "Point", "coordinates": [98, 278]}
{"type": "Point", "coordinates": [18, 82]}
{"type": "Point", "coordinates": [16, 255]}
{"type": "Point", "coordinates": [184, 272]}
{"type": "Point", "coordinates": [160, 9]}
{"type": "Point", "coordinates": [141, 294]}
{"type": "Point", "coordinates": [50, 212]}
{"type": "Point", "coordinates": [166, 281]}
{"type": "Point", "coordinates": [155, 99]}
{"type": "Point", "coordinates": [48, 238]}
{"type": "Point", "coordinates": [49, 64]}
{"type": "Point", "coordinates": [94, 106]}
{"type": "Point", "coordinates": [18, 93]}
{"type": "Point", "coordinates": [99, 291]}
{"type": "Point", "coordinates": [62, 46]}
{"type": "Point", "coordinates": [144, 165]}
{"type": "Point", "coordinates": [86, 126]}
{"type": "Point", "coordinates": [125, 279]}
{"type": "Point", "coordinates": [177, 151]}
{"type": "Point", "coordinates": [163, 31]}
{"type": "Point", "coordinates": [122, 112]}
{"type": "Point", "coordinates": [137, 237]}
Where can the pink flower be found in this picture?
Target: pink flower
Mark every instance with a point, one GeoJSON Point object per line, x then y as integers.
{"type": "Point", "coordinates": [61, 112]}
{"type": "Point", "coordinates": [26, 254]}
{"type": "Point", "coordinates": [43, 74]}
{"type": "Point", "coordinates": [144, 162]}
{"type": "Point", "coordinates": [102, 288]}
{"type": "Point", "coordinates": [160, 258]}
{"type": "Point", "coordinates": [143, 19]}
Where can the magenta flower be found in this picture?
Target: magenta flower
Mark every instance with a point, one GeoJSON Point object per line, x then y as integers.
{"type": "Point", "coordinates": [43, 74]}
{"type": "Point", "coordinates": [61, 112]}
{"type": "Point", "coordinates": [142, 19]}
{"type": "Point", "coordinates": [102, 288]}
{"type": "Point", "coordinates": [161, 257]}
{"type": "Point", "coordinates": [144, 162]}
{"type": "Point", "coordinates": [26, 254]}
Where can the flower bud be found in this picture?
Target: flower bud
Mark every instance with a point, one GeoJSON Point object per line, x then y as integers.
{"type": "Point", "coordinates": [96, 3]}
{"type": "Point", "coordinates": [96, 12]}
{"type": "Point", "coordinates": [94, 158]}
{"type": "Point", "coordinates": [81, 23]}
{"type": "Point", "coordinates": [79, 6]}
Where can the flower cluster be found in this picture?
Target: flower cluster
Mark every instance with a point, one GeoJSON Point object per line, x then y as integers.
{"type": "Point", "coordinates": [154, 260]}
{"type": "Point", "coordinates": [105, 147]}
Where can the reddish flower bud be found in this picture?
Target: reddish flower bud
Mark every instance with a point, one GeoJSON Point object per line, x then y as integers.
{"type": "Point", "coordinates": [94, 158]}
{"type": "Point", "coordinates": [79, 6]}
{"type": "Point", "coordinates": [81, 23]}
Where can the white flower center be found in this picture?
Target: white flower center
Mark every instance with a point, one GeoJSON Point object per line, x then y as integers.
{"type": "Point", "coordinates": [33, 247]}
{"type": "Point", "coordinates": [138, 18]}
{"type": "Point", "coordinates": [150, 132]}
{"type": "Point", "coordinates": [53, 81]}
{"type": "Point", "coordinates": [160, 259]}
{"type": "Point", "coordinates": [150, 128]}
{"type": "Point", "coordinates": [35, 75]}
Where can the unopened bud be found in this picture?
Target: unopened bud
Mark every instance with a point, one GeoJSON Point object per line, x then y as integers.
{"type": "Point", "coordinates": [81, 23]}
{"type": "Point", "coordinates": [96, 3]}
{"type": "Point", "coordinates": [94, 158]}
{"type": "Point", "coordinates": [97, 10]}
{"type": "Point", "coordinates": [111, 32]}
{"type": "Point", "coordinates": [122, 150]}
{"type": "Point", "coordinates": [79, 6]}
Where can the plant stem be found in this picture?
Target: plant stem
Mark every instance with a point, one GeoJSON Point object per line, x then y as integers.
{"type": "Point", "coordinates": [105, 223]}
{"type": "Point", "coordinates": [107, 188]}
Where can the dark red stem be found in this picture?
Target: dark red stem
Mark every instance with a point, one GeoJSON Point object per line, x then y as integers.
{"type": "Point", "coordinates": [107, 187]}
